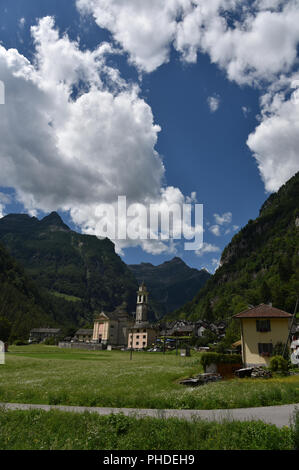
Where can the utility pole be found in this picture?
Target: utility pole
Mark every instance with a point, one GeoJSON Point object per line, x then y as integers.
{"type": "Point", "coordinates": [131, 331]}
{"type": "Point", "coordinates": [290, 331]}
{"type": "Point", "coordinates": [131, 349]}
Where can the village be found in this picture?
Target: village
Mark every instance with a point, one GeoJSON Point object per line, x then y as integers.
{"type": "Point", "coordinates": [125, 364]}
{"type": "Point", "coordinates": [265, 331]}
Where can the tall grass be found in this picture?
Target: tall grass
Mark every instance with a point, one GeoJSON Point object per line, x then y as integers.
{"type": "Point", "coordinates": [295, 428]}
{"type": "Point", "coordinates": [39, 430]}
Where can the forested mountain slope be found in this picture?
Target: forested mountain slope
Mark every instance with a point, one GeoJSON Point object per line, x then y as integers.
{"type": "Point", "coordinates": [170, 284]}
{"type": "Point", "coordinates": [80, 273]}
{"type": "Point", "coordinates": [21, 304]}
{"type": "Point", "coordinates": [260, 264]}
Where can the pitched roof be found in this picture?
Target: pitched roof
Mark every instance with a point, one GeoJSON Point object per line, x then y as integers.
{"type": "Point", "coordinates": [45, 330]}
{"type": "Point", "coordinates": [263, 311]}
{"type": "Point", "coordinates": [143, 325]}
{"type": "Point", "coordinates": [120, 313]}
{"type": "Point", "coordinates": [84, 331]}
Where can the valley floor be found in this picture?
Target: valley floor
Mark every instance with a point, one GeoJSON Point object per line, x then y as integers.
{"type": "Point", "coordinates": [52, 376]}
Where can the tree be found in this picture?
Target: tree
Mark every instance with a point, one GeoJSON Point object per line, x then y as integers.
{"type": "Point", "coordinates": [5, 329]}
{"type": "Point", "coordinates": [284, 269]}
{"type": "Point", "coordinates": [265, 293]}
{"type": "Point", "coordinates": [232, 334]}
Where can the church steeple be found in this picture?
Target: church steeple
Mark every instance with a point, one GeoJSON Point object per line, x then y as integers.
{"type": "Point", "coordinates": [142, 304]}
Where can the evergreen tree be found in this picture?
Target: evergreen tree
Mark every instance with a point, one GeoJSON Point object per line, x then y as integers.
{"type": "Point", "coordinates": [266, 295]}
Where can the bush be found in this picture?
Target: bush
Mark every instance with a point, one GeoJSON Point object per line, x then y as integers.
{"type": "Point", "coordinates": [20, 342]}
{"type": "Point", "coordinates": [5, 329]}
{"type": "Point", "coordinates": [216, 358]}
{"type": "Point", "coordinates": [51, 341]}
{"type": "Point", "coordinates": [279, 364]}
{"type": "Point", "coordinates": [280, 350]}
{"type": "Point", "coordinates": [295, 429]}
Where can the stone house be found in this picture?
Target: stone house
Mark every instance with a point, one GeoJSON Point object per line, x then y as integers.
{"type": "Point", "coordinates": [40, 334]}
{"type": "Point", "coordinates": [83, 335]}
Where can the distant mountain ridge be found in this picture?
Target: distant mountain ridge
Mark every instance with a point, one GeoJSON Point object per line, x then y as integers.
{"type": "Point", "coordinates": [259, 265]}
{"type": "Point", "coordinates": [170, 284]}
{"type": "Point", "coordinates": [75, 275]}
{"type": "Point", "coordinates": [81, 273]}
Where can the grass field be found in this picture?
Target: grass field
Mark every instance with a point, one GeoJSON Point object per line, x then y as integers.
{"type": "Point", "coordinates": [49, 375]}
{"type": "Point", "coordinates": [55, 430]}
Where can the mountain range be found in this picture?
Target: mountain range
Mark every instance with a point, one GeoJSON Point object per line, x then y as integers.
{"type": "Point", "coordinates": [52, 276]}
{"type": "Point", "coordinates": [170, 284]}
{"type": "Point", "coordinates": [73, 276]}
{"type": "Point", "coordinates": [78, 274]}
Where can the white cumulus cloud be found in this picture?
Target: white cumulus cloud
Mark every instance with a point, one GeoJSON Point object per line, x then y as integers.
{"type": "Point", "coordinates": [75, 135]}
{"type": "Point", "coordinates": [215, 229]}
{"type": "Point", "coordinates": [225, 218]}
{"type": "Point", "coordinates": [144, 29]}
{"type": "Point", "coordinates": [253, 42]}
{"type": "Point", "coordinates": [275, 141]}
{"type": "Point", "coordinates": [207, 248]}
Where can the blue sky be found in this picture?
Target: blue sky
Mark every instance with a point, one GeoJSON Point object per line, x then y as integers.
{"type": "Point", "coordinates": [203, 149]}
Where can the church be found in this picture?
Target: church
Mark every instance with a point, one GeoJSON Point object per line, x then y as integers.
{"type": "Point", "coordinates": [142, 334]}
{"type": "Point", "coordinates": [111, 328]}
{"type": "Point", "coordinates": [119, 329]}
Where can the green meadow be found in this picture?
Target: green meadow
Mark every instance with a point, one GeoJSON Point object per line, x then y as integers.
{"type": "Point", "coordinates": [49, 375]}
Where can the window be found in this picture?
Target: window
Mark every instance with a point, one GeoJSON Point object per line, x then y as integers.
{"type": "Point", "coordinates": [265, 349]}
{"type": "Point", "coordinates": [263, 325]}
{"type": "Point", "coordinates": [144, 336]}
{"type": "Point", "coordinates": [137, 342]}
{"type": "Point", "coordinates": [144, 343]}
{"type": "Point", "coordinates": [137, 336]}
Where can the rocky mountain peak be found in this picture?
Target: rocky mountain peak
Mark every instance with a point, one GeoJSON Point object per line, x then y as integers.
{"type": "Point", "coordinates": [54, 220]}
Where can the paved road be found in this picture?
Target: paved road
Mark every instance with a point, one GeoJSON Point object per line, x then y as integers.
{"type": "Point", "coordinates": [278, 415]}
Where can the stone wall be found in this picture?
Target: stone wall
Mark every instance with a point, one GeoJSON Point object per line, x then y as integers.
{"type": "Point", "coordinates": [88, 346]}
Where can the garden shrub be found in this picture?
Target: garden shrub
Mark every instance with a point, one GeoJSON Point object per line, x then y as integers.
{"type": "Point", "coordinates": [280, 350]}
{"type": "Point", "coordinates": [279, 364]}
{"type": "Point", "coordinates": [20, 342]}
{"type": "Point", "coordinates": [216, 358]}
{"type": "Point", "coordinates": [51, 341]}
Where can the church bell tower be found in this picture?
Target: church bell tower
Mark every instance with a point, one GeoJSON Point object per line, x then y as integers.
{"type": "Point", "coordinates": [142, 304]}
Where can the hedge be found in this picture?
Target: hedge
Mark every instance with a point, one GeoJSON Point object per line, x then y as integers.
{"type": "Point", "coordinates": [216, 358]}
